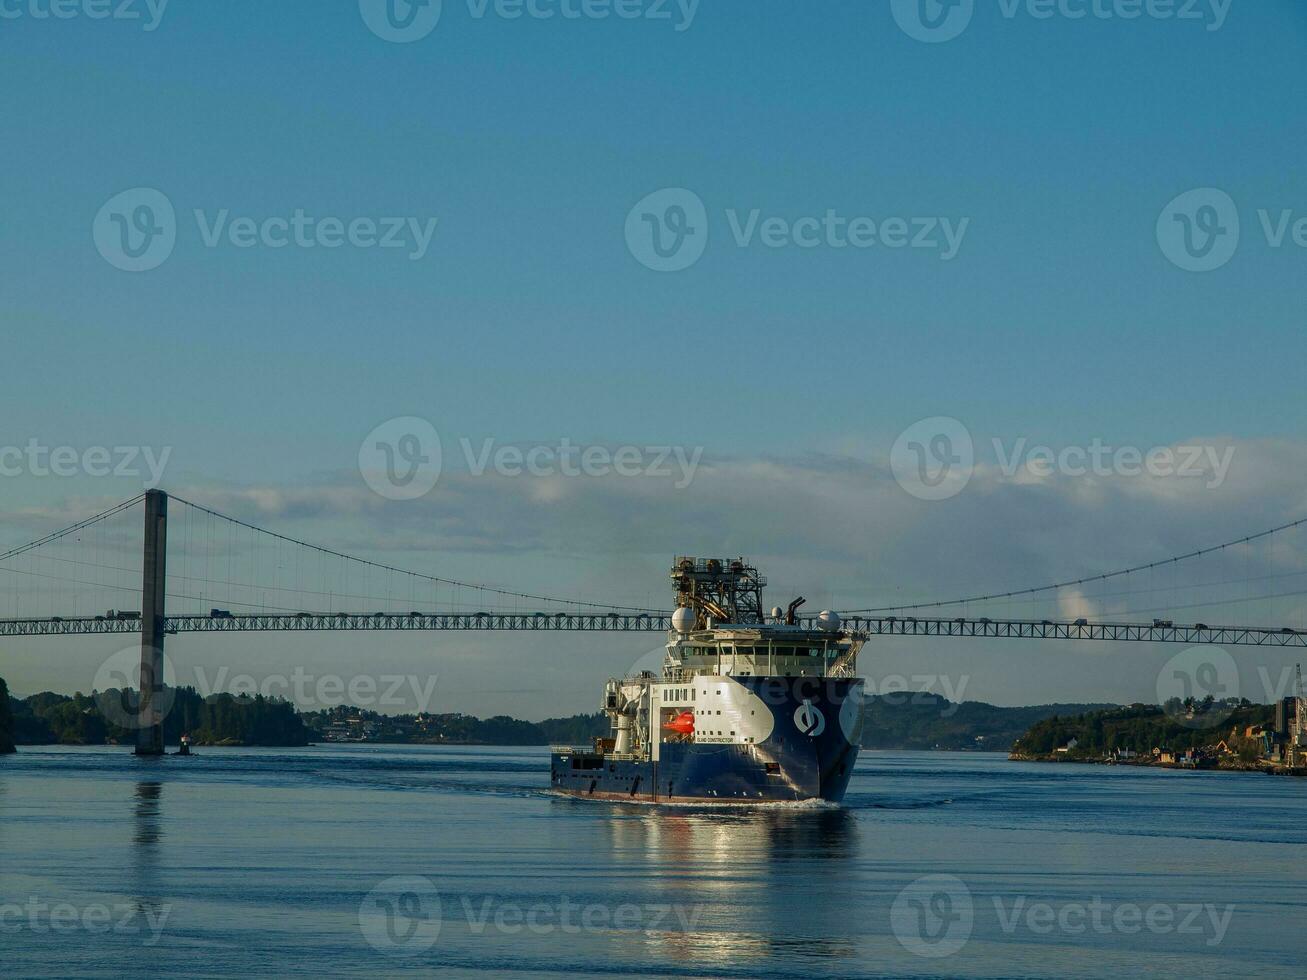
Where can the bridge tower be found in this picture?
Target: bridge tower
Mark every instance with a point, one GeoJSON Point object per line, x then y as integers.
{"type": "Point", "coordinates": [149, 732]}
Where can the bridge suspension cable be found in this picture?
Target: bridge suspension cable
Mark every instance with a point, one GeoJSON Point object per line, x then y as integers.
{"type": "Point", "coordinates": [1090, 578]}
{"type": "Point", "coordinates": [507, 593]}
{"type": "Point", "coordinates": [56, 535]}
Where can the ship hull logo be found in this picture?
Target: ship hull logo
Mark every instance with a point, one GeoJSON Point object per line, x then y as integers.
{"type": "Point", "coordinates": [809, 719]}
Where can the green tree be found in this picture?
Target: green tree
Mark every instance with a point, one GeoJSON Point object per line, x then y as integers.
{"type": "Point", "coordinates": [6, 721]}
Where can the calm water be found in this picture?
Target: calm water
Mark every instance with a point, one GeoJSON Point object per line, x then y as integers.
{"type": "Point", "coordinates": [366, 861]}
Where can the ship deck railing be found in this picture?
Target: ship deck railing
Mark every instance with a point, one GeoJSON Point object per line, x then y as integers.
{"type": "Point", "coordinates": [591, 750]}
{"type": "Point", "coordinates": [686, 675]}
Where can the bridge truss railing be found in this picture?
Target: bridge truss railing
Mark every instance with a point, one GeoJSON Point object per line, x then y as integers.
{"type": "Point", "coordinates": [642, 623]}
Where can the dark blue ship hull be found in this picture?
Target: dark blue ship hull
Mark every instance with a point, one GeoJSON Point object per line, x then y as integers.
{"type": "Point", "coordinates": [808, 755]}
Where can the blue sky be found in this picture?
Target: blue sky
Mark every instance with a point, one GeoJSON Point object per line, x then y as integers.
{"type": "Point", "coordinates": [528, 320]}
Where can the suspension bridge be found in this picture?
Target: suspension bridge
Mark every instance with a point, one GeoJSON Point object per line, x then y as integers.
{"type": "Point", "coordinates": [96, 546]}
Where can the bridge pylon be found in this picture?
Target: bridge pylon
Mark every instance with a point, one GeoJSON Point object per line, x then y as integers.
{"type": "Point", "coordinates": [149, 731]}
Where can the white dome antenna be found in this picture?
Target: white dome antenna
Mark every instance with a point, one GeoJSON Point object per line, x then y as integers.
{"type": "Point", "coordinates": [683, 619]}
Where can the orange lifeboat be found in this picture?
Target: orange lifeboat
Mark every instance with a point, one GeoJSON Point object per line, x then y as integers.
{"type": "Point", "coordinates": [682, 724]}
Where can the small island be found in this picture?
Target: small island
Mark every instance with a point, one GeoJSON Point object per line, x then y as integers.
{"type": "Point", "coordinates": [233, 720]}
{"type": "Point", "coordinates": [1227, 735]}
{"type": "Point", "coordinates": [89, 719]}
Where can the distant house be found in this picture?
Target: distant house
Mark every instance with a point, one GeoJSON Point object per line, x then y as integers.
{"type": "Point", "coordinates": [1124, 754]}
{"type": "Point", "coordinates": [1069, 745]}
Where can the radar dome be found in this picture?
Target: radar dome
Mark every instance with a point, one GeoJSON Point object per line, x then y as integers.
{"type": "Point", "coordinates": [777, 612]}
{"type": "Point", "coordinates": [683, 619]}
{"type": "Point", "coordinates": [828, 620]}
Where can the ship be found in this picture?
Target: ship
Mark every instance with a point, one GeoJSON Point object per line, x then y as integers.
{"type": "Point", "coordinates": [749, 707]}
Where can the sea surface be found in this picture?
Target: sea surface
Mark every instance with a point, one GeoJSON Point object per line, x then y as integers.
{"type": "Point", "coordinates": [413, 861]}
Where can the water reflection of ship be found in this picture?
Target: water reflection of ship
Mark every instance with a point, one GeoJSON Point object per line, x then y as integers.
{"type": "Point", "coordinates": [743, 883]}
{"type": "Point", "coordinates": [780, 834]}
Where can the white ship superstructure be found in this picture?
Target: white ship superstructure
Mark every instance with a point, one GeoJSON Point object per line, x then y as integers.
{"type": "Point", "coordinates": [748, 706]}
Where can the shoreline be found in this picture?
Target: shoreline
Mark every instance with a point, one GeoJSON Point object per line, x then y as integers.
{"type": "Point", "coordinates": [1208, 766]}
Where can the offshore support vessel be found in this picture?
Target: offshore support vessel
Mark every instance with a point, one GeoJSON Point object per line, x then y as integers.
{"type": "Point", "coordinates": [749, 707]}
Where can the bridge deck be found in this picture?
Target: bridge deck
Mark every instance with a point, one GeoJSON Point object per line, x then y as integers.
{"type": "Point", "coordinates": [624, 622]}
